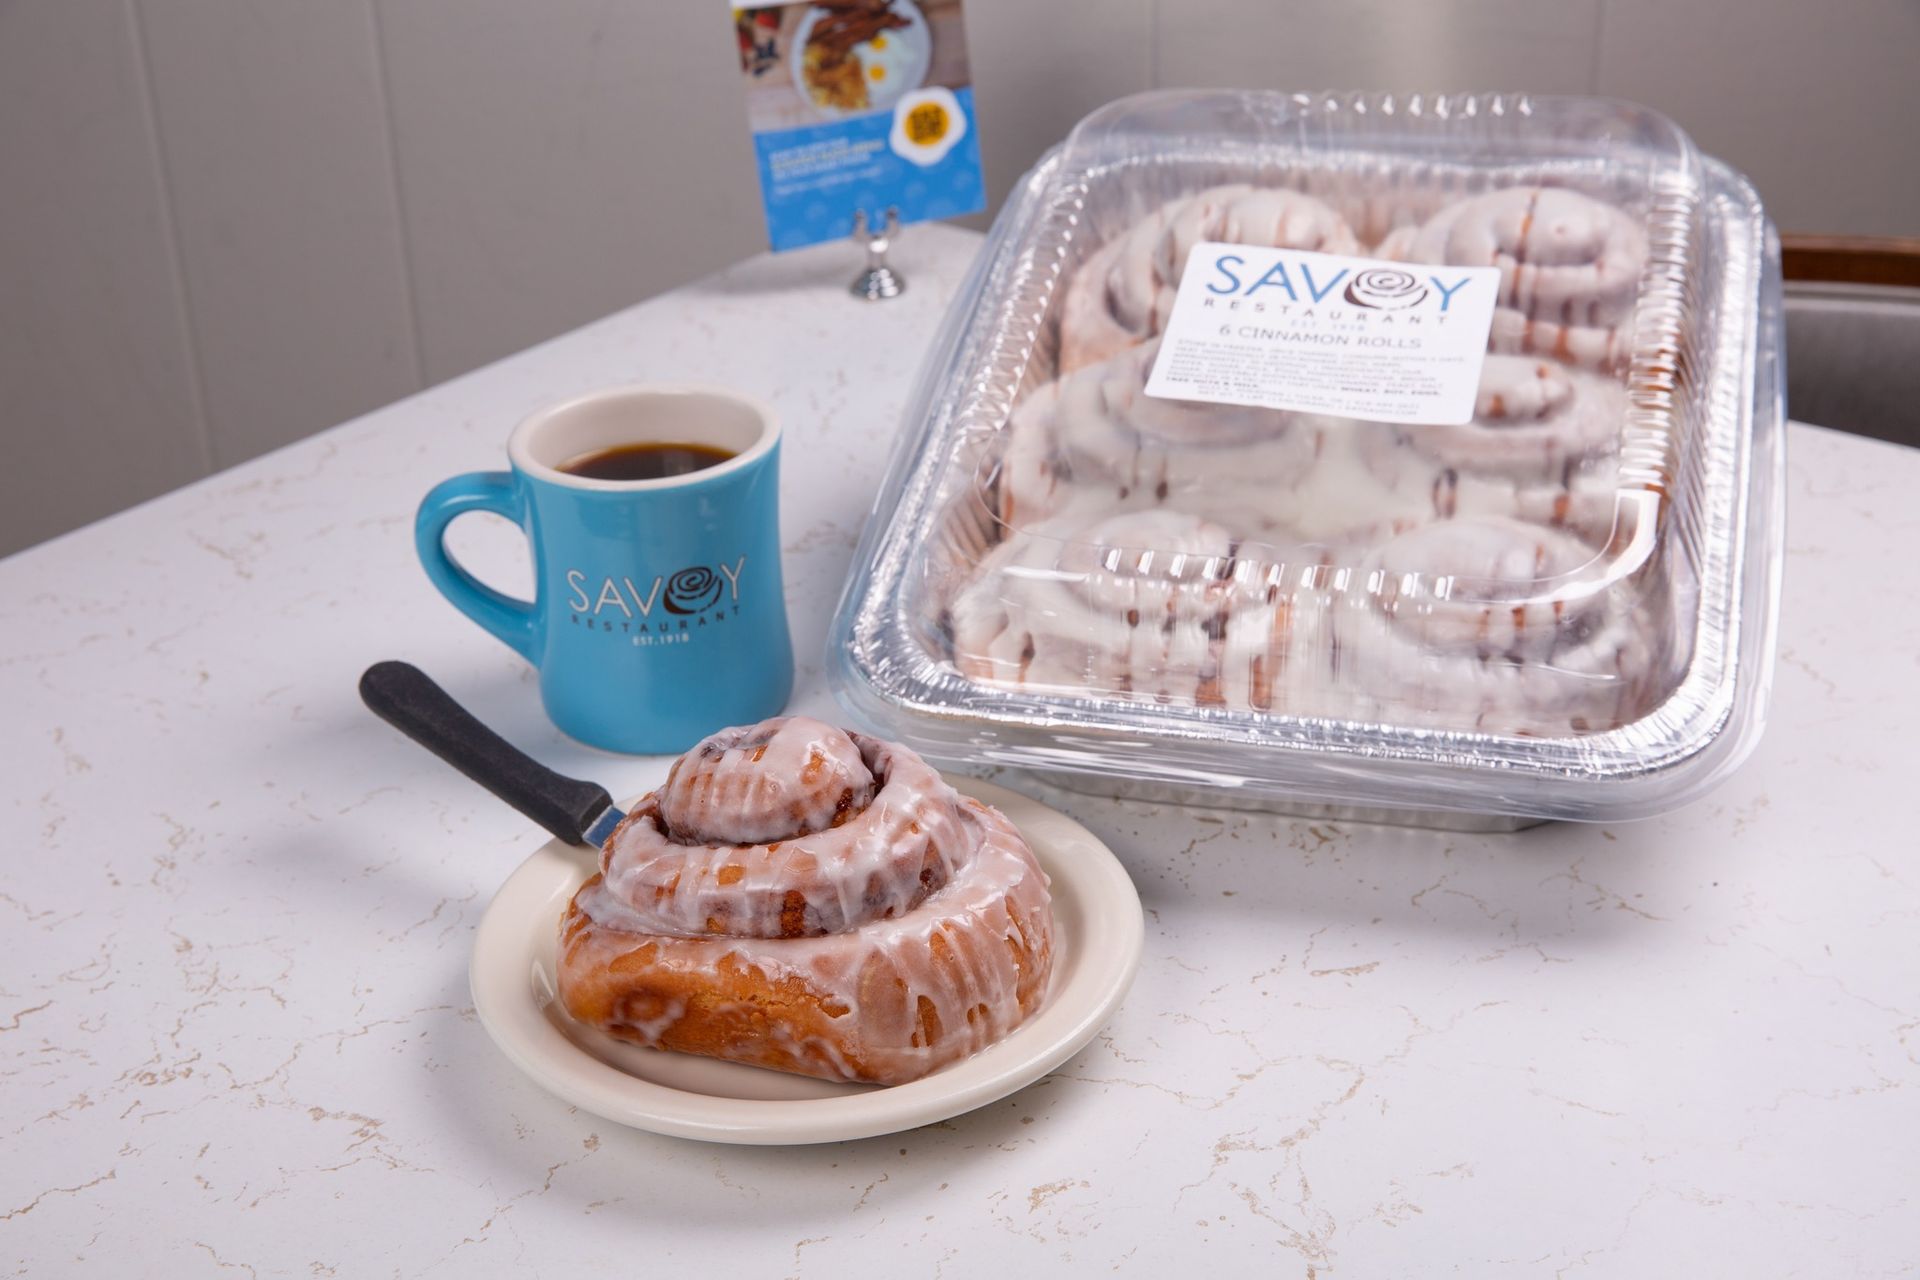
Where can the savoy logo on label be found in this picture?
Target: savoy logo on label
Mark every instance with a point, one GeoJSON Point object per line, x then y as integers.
{"type": "Point", "coordinates": [1326, 333]}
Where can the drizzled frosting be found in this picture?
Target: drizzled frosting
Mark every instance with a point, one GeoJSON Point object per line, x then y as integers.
{"type": "Point", "coordinates": [1570, 268]}
{"type": "Point", "coordinates": [881, 938]}
{"type": "Point", "coordinates": [769, 781]}
{"type": "Point", "coordinates": [1449, 630]}
{"type": "Point", "coordinates": [1150, 603]}
{"type": "Point", "coordinates": [1097, 433]}
{"type": "Point", "coordinates": [1543, 445]}
{"type": "Point", "coordinates": [1249, 558]}
{"type": "Point", "coordinates": [1124, 292]}
{"type": "Point", "coordinates": [790, 828]}
{"type": "Point", "coordinates": [1532, 418]}
{"type": "Point", "coordinates": [1480, 560]}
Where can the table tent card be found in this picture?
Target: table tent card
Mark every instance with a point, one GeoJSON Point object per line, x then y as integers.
{"type": "Point", "coordinates": [859, 107]}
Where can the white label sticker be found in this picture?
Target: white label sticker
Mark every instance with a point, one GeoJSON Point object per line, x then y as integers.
{"type": "Point", "coordinates": [1324, 333]}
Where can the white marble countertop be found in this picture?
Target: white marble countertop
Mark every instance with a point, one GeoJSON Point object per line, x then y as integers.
{"type": "Point", "coordinates": [235, 1034]}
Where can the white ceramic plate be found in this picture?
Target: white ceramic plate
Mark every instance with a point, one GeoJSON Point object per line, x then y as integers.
{"type": "Point", "coordinates": [916, 38]}
{"type": "Point", "coordinates": [1098, 934]}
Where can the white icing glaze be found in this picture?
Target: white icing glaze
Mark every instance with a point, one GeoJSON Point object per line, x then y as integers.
{"type": "Point", "coordinates": [770, 781]}
{"type": "Point", "coordinates": [1048, 610]}
{"type": "Point", "coordinates": [1097, 432]}
{"type": "Point", "coordinates": [645, 1020]}
{"type": "Point", "coordinates": [1507, 586]}
{"type": "Point", "coordinates": [1153, 604]}
{"type": "Point", "coordinates": [1531, 418]}
{"type": "Point", "coordinates": [787, 828]}
{"type": "Point", "coordinates": [905, 995]}
{"type": "Point", "coordinates": [1493, 624]}
{"type": "Point", "coordinates": [1080, 594]}
{"type": "Point", "coordinates": [1123, 293]}
{"type": "Point", "coordinates": [1570, 267]}
{"type": "Point", "coordinates": [1397, 246]}
{"type": "Point", "coordinates": [1543, 445]}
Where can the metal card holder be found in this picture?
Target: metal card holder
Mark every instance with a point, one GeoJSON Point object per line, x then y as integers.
{"type": "Point", "coordinates": [879, 280]}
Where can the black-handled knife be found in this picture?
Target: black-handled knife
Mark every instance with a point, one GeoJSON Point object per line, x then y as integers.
{"type": "Point", "coordinates": [407, 698]}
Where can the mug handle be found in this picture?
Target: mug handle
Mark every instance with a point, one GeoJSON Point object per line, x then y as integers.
{"type": "Point", "coordinates": [506, 618]}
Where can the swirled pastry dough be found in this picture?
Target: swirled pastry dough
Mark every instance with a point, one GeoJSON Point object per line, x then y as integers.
{"type": "Point", "coordinates": [1123, 294]}
{"type": "Point", "coordinates": [1097, 436]}
{"type": "Point", "coordinates": [1570, 268]}
{"type": "Point", "coordinates": [811, 900]}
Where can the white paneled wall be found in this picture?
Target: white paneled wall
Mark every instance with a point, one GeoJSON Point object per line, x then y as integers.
{"type": "Point", "coordinates": [225, 224]}
{"type": "Point", "coordinates": [1040, 65]}
{"type": "Point", "coordinates": [1542, 46]}
{"type": "Point", "coordinates": [561, 159]}
{"type": "Point", "coordinates": [1816, 100]}
{"type": "Point", "coordinates": [99, 400]}
{"type": "Point", "coordinates": [272, 126]}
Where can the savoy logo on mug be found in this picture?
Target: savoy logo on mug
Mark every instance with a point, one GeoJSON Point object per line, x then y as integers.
{"type": "Point", "coordinates": [658, 613]}
{"type": "Point", "coordinates": [694, 596]}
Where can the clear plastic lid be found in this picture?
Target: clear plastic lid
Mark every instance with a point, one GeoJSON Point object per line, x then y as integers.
{"type": "Point", "coordinates": [1560, 608]}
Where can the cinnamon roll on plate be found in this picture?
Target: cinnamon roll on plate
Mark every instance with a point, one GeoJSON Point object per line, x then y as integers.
{"type": "Point", "coordinates": [811, 900]}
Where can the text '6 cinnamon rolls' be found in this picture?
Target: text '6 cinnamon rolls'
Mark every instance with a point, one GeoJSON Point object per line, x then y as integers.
{"type": "Point", "coordinates": [1455, 577]}
{"type": "Point", "coordinates": [812, 900]}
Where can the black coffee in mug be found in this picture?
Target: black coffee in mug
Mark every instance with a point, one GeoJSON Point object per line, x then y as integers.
{"type": "Point", "coordinates": [648, 460]}
{"type": "Point", "coordinates": [658, 608]}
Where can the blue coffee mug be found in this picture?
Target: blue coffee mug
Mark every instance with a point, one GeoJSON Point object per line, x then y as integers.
{"type": "Point", "coordinates": [658, 613]}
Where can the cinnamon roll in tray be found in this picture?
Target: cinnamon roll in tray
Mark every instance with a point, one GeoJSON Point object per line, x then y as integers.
{"type": "Point", "coordinates": [1395, 456]}
{"type": "Point", "coordinates": [812, 900]}
{"type": "Point", "coordinates": [1470, 576]}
